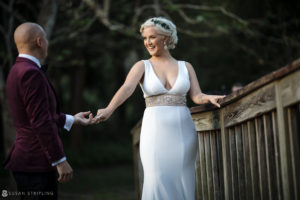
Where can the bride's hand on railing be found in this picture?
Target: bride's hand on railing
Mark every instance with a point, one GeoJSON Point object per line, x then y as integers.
{"type": "Point", "coordinates": [102, 115]}
{"type": "Point", "coordinates": [213, 99]}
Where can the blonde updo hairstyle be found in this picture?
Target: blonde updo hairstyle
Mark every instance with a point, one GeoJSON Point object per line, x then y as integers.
{"type": "Point", "coordinates": [164, 27]}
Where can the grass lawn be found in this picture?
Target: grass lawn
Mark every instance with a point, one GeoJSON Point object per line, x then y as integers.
{"type": "Point", "coordinates": [102, 171]}
{"type": "Point", "coordinates": [109, 183]}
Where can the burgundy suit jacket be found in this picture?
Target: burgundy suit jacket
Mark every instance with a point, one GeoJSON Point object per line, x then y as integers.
{"type": "Point", "coordinates": [33, 107]}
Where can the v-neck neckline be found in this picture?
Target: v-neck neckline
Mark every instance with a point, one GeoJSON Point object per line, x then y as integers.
{"type": "Point", "coordinates": [161, 83]}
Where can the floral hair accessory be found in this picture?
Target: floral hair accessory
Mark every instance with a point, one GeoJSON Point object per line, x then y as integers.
{"type": "Point", "coordinates": [162, 24]}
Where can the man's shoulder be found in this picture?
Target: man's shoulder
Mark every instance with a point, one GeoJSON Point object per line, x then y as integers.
{"type": "Point", "coordinates": [19, 69]}
{"type": "Point", "coordinates": [24, 64]}
{"type": "Point", "coordinates": [24, 72]}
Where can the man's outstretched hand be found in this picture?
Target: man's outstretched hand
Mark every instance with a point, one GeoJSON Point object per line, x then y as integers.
{"type": "Point", "coordinates": [84, 118]}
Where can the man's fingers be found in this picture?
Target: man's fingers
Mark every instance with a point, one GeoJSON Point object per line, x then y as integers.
{"type": "Point", "coordinates": [91, 118]}
{"type": "Point", "coordinates": [84, 120]}
{"type": "Point", "coordinates": [61, 178]}
{"type": "Point", "coordinates": [65, 172]}
{"type": "Point", "coordinates": [86, 113]}
{"type": "Point", "coordinates": [68, 177]}
{"type": "Point", "coordinates": [65, 178]}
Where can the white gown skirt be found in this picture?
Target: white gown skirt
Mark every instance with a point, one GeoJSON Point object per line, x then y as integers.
{"type": "Point", "coordinates": [168, 148]}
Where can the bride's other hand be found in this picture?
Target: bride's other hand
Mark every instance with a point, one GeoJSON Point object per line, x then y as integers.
{"type": "Point", "coordinates": [195, 92]}
{"type": "Point", "coordinates": [213, 99]}
{"type": "Point", "coordinates": [103, 115]}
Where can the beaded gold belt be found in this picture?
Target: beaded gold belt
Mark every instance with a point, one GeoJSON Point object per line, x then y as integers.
{"type": "Point", "coordinates": [165, 100]}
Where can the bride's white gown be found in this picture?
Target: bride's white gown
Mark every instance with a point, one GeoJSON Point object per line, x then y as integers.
{"type": "Point", "coordinates": [168, 142]}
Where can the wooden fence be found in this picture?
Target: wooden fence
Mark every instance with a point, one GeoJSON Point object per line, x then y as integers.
{"type": "Point", "coordinates": [249, 148]}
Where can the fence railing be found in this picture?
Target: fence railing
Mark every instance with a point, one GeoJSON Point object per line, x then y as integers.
{"type": "Point", "coordinates": [249, 148]}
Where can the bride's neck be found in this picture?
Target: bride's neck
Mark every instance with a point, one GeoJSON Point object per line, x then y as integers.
{"type": "Point", "coordinates": [164, 56]}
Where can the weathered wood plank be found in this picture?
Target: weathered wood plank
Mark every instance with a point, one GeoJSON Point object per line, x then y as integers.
{"type": "Point", "coordinates": [135, 132]}
{"type": "Point", "coordinates": [138, 169]}
{"type": "Point", "coordinates": [226, 159]}
{"type": "Point", "coordinates": [289, 152]}
{"type": "Point", "coordinates": [270, 155]}
{"type": "Point", "coordinates": [233, 160]}
{"type": "Point", "coordinates": [214, 164]}
{"type": "Point", "coordinates": [294, 149]}
{"type": "Point", "coordinates": [203, 165]}
{"type": "Point", "coordinates": [240, 162]}
{"type": "Point", "coordinates": [247, 162]}
{"type": "Point", "coordinates": [207, 121]}
{"type": "Point", "coordinates": [289, 89]}
{"type": "Point", "coordinates": [295, 129]}
{"type": "Point", "coordinates": [221, 195]}
{"type": "Point", "coordinates": [253, 160]}
{"type": "Point", "coordinates": [210, 185]}
{"type": "Point", "coordinates": [277, 157]}
{"type": "Point", "coordinates": [282, 143]}
{"type": "Point", "coordinates": [256, 103]}
{"type": "Point", "coordinates": [262, 166]}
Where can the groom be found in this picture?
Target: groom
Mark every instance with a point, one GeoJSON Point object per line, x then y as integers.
{"type": "Point", "coordinates": [37, 154]}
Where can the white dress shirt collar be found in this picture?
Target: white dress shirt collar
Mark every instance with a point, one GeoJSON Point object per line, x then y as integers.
{"type": "Point", "coordinates": [32, 58]}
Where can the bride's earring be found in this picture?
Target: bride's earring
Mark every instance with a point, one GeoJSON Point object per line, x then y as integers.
{"type": "Point", "coordinates": [165, 46]}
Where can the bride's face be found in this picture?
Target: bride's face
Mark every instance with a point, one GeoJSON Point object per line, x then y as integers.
{"type": "Point", "coordinates": [153, 41]}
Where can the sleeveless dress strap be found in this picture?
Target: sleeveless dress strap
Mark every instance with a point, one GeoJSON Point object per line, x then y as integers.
{"type": "Point", "coordinates": [147, 67]}
{"type": "Point", "coordinates": [146, 63]}
{"type": "Point", "coordinates": [184, 68]}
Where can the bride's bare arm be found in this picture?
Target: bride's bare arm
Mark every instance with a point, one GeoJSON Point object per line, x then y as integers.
{"type": "Point", "coordinates": [195, 92]}
{"type": "Point", "coordinates": [125, 91]}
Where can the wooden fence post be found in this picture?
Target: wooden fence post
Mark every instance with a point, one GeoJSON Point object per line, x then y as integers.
{"type": "Point", "coordinates": [282, 143]}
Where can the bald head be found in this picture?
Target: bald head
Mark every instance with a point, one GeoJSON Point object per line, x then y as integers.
{"type": "Point", "coordinates": [27, 37]}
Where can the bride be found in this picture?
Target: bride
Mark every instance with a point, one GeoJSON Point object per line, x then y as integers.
{"type": "Point", "coordinates": [168, 142]}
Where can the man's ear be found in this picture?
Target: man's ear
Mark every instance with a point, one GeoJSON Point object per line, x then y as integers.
{"type": "Point", "coordinates": [38, 42]}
